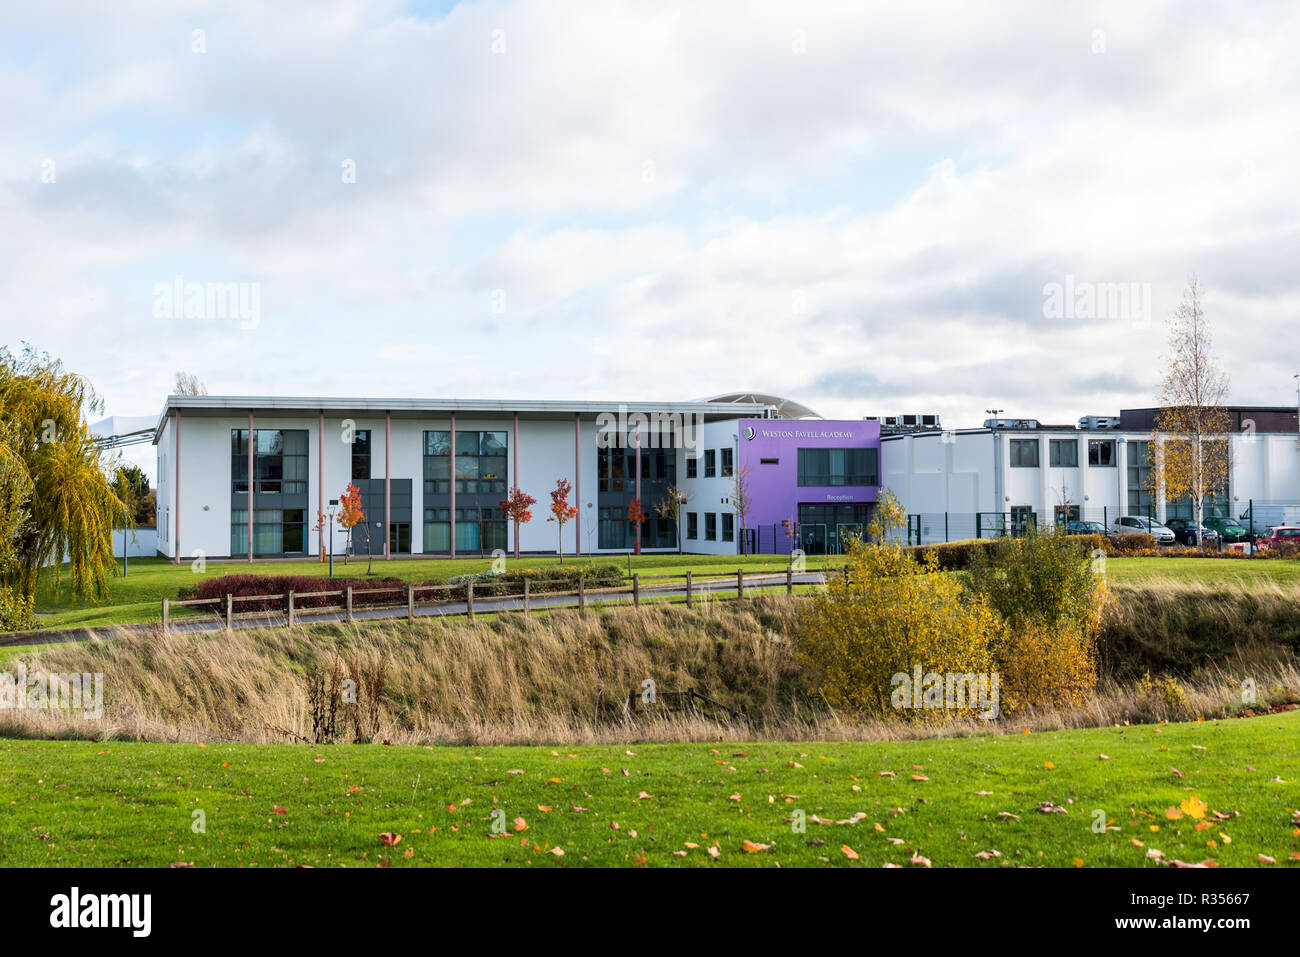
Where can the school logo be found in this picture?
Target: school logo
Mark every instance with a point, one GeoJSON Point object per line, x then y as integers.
{"type": "Point", "coordinates": [750, 432]}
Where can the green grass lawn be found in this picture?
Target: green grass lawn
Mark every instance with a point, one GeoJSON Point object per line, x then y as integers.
{"type": "Point", "coordinates": [114, 803]}
{"type": "Point", "coordinates": [1143, 571]}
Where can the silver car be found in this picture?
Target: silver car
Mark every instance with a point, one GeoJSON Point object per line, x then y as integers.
{"type": "Point", "coordinates": [1138, 524]}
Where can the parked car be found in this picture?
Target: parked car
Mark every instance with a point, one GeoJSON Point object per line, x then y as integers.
{"type": "Point", "coordinates": [1229, 529]}
{"type": "Point", "coordinates": [1280, 535]}
{"type": "Point", "coordinates": [1138, 524]}
{"type": "Point", "coordinates": [1184, 530]}
{"type": "Point", "coordinates": [1085, 528]}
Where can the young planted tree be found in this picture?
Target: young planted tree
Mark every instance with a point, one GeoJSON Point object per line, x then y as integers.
{"type": "Point", "coordinates": [519, 509]}
{"type": "Point", "coordinates": [742, 502]}
{"type": "Point", "coordinates": [671, 508]}
{"type": "Point", "coordinates": [637, 516]}
{"type": "Point", "coordinates": [561, 510]}
{"type": "Point", "coordinates": [350, 515]}
{"type": "Point", "coordinates": [1190, 456]}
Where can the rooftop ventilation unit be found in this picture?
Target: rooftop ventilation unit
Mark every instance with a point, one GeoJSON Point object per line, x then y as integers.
{"type": "Point", "coordinates": [1099, 422]}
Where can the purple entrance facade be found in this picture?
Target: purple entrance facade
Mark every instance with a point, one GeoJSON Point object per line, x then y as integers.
{"type": "Point", "coordinates": [770, 450]}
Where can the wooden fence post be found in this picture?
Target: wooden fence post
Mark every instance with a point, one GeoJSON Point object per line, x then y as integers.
{"type": "Point", "coordinates": [469, 600]}
{"type": "Point", "coordinates": [410, 601]}
{"type": "Point", "coordinates": [582, 593]}
{"type": "Point", "coordinates": [526, 596]}
{"type": "Point", "coordinates": [636, 591]}
{"type": "Point", "coordinates": [166, 615]}
{"type": "Point", "coordinates": [789, 580]}
{"type": "Point", "coordinates": [348, 602]}
{"type": "Point", "coordinates": [740, 583]}
{"type": "Point", "coordinates": [290, 607]}
{"type": "Point", "coordinates": [688, 589]}
{"type": "Point", "coordinates": [230, 611]}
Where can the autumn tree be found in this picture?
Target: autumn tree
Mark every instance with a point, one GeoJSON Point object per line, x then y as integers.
{"type": "Point", "coordinates": [671, 508]}
{"type": "Point", "coordinates": [58, 475]}
{"type": "Point", "coordinates": [350, 515]}
{"type": "Point", "coordinates": [519, 509]}
{"type": "Point", "coordinates": [742, 501]}
{"type": "Point", "coordinates": [637, 516]}
{"type": "Point", "coordinates": [1190, 456]}
{"type": "Point", "coordinates": [561, 511]}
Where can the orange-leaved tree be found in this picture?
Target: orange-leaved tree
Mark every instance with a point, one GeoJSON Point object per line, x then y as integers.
{"type": "Point", "coordinates": [561, 510]}
{"type": "Point", "coordinates": [351, 515]}
{"type": "Point", "coordinates": [637, 516]}
{"type": "Point", "coordinates": [519, 509]}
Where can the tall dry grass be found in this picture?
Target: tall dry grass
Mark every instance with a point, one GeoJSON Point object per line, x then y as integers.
{"type": "Point", "coordinates": [565, 677]}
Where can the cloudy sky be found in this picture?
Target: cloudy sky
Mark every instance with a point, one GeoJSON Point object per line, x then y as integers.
{"type": "Point", "coordinates": [857, 205]}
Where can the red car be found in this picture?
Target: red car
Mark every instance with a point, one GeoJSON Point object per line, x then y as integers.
{"type": "Point", "coordinates": [1280, 535]}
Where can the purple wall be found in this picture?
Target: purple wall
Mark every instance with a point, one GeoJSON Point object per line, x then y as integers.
{"type": "Point", "coordinates": [775, 488]}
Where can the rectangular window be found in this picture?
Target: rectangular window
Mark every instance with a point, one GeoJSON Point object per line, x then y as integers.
{"type": "Point", "coordinates": [692, 525]}
{"type": "Point", "coordinates": [710, 463]}
{"type": "Point", "coordinates": [728, 527]}
{"type": "Point", "coordinates": [1101, 453]}
{"type": "Point", "coordinates": [727, 468]}
{"type": "Point", "coordinates": [1064, 453]}
{"type": "Point", "coordinates": [361, 454]}
{"type": "Point", "coordinates": [279, 461]}
{"type": "Point", "coordinates": [480, 466]}
{"type": "Point", "coordinates": [710, 527]}
{"type": "Point", "coordinates": [1022, 517]}
{"type": "Point", "coordinates": [1066, 513]}
{"type": "Point", "coordinates": [1024, 453]}
{"type": "Point", "coordinates": [692, 465]}
{"type": "Point", "coordinates": [836, 467]}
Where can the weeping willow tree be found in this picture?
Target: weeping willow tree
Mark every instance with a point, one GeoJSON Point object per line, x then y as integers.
{"type": "Point", "coordinates": [55, 479]}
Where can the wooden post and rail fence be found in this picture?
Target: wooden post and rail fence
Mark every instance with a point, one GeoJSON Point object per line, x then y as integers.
{"type": "Point", "coordinates": [460, 599]}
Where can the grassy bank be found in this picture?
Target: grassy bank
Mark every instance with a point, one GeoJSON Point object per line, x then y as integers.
{"type": "Point", "coordinates": [567, 676]}
{"type": "Point", "coordinates": [974, 802]}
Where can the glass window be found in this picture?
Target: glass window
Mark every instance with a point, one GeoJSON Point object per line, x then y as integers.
{"type": "Point", "coordinates": [1024, 453]}
{"type": "Point", "coordinates": [836, 467]}
{"type": "Point", "coordinates": [710, 526]}
{"type": "Point", "coordinates": [361, 454]}
{"type": "Point", "coordinates": [1101, 453]}
{"type": "Point", "coordinates": [692, 525]}
{"type": "Point", "coordinates": [727, 468]}
{"type": "Point", "coordinates": [692, 465]}
{"type": "Point", "coordinates": [728, 527]}
{"type": "Point", "coordinates": [1064, 453]}
{"type": "Point", "coordinates": [480, 464]}
{"type": "Point", "coordinates": [710, 463]}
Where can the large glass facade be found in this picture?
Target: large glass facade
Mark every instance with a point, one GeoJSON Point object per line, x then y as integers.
{"type": "Point", "coordinates": [826, 467]}
{"type": "Point", "coordinates": [616, 488]}
{"type": "Point", "coordinates": [482, 482]}
{"type": "Point", "coordinates": [279, 491]}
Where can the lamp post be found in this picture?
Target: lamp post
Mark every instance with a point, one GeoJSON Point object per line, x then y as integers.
{"type": "Point", "coordinates": [334, 503]}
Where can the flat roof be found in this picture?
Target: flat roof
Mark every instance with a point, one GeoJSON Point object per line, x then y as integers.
{"type": "Point", "coordinates": [413, 408]}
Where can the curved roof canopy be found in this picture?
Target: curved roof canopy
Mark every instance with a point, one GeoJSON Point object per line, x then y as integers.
{"type": "Point", "coordinates": [784, 408]}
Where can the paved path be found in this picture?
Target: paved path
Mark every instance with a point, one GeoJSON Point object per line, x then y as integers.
{"type": "Point", "coordinates": [756, 583]}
